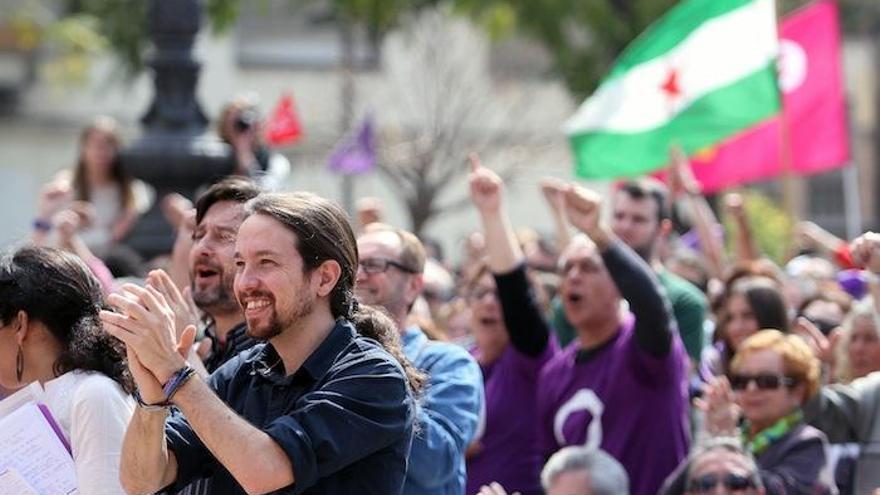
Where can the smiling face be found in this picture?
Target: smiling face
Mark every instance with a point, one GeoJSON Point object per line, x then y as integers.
{"type": "Point", "coordinates": [740, 321]}
{"type": "Point", "coordinates": [270, 283]}
{"type": "Point", "coordinates": [764, 407]}
{"type": "Point", "coordinates": [212, 268]}
{"type": "Point", "coordinates": [394, 288]}
{"type": "Point", "coordinates": [588, 293]}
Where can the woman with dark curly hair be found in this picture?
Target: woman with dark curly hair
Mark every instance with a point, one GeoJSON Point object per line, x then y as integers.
{"type": "Point", "coordinates": [750, 303]}
{"type": "Point", "coordinates": [50, 333]}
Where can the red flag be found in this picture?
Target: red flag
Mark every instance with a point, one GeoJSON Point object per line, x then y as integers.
{"type": "Point", "coordinates": [813, 115]}
{"type": "Point", "coordinates": [283, 126]}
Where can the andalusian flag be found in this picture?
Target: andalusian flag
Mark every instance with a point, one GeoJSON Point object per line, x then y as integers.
{"type": "Point", "coordinates": [704, 71]}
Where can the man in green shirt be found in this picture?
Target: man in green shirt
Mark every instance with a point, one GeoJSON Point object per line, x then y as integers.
{"type": "Point", "coordinates": [640, 218]}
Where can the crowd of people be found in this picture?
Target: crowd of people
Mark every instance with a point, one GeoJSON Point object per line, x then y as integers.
{"type": "Point", "coordinates": [282, 348]}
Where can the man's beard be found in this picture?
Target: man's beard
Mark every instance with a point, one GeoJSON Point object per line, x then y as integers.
{"type": "Point", "coordinates": [645, 251]}
{"type": "Point", "coordinates": [217, 298]}
{"type": "Point", "coordinates": [278, 324]}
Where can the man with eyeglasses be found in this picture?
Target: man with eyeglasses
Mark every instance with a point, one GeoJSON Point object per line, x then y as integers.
{"type": "Point", "coordinates": [721, 466]}
{"type": "Point", "coordinates": [390, 275]}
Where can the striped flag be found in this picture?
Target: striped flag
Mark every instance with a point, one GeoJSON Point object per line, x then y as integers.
{"type": "Point", "coordinates": [703, 72]}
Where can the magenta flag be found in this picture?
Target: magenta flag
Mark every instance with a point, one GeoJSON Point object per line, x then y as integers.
{"type": "Point", "coordinates": [813, 119]}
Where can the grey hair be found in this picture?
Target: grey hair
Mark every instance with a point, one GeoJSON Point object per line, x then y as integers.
{"type": "Point", "coordinates": [606, 475]}
{"type": "Point", "coordinates": [727, 444]}
{"type": "Point", "coordinates": [864, 308]}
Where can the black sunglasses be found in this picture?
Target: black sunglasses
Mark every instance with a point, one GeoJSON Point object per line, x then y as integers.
{"type": "Point", "coordinates": [380, 265]}
{"type": "Point", "coordinates": [733, 482]}
{"type": "Point", "coordinates": [764, 381]}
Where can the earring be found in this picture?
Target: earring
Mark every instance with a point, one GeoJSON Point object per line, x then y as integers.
{"type": "Point", "coordinates": [19, 364]}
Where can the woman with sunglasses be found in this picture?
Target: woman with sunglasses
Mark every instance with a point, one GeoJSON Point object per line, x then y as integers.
{"type": "Point", "coordinates": [772, 376]}
{"type": "Point", "coordinates": [50, 333]}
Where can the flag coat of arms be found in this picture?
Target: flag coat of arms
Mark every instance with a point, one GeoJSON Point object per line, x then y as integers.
{"type": "Point", "coordinates": [703, 72]}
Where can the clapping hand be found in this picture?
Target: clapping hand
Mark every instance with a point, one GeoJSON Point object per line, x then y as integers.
{"type": "Point", "coordinates": [181, 304]}
{"type": "Point", "coordinates": [722, 413]}
{"type": "Point", "coordinates": [146, 325]}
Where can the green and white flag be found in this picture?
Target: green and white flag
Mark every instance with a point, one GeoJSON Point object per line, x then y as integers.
{"type": "Point", "coordinates": [701, 73]}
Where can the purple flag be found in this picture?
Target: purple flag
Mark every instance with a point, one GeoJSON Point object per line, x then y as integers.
{"type": "Point", "coordinates": [355, 154]}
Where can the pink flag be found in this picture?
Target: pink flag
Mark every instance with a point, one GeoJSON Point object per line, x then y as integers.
{"type": "Point", "coordinates": [813, 120]}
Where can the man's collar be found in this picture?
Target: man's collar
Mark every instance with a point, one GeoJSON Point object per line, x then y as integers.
{"type": "Point", "coordinates": [232, 335]}
{"type": "Point", "coordinates": [412, 336]}
{"type": "Point", "coordinates": [268, 363]}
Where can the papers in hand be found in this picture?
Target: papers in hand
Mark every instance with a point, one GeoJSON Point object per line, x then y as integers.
{"type": "Point", "coordinates": [33, 453]}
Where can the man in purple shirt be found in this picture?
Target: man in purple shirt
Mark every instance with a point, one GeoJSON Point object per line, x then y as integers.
{"type": "Point", "coordinates": [622, 384]}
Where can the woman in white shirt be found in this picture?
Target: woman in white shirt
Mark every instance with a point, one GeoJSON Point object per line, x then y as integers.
{"type": "Point", "coordinates": [98, 188]}
{"type": "Point", "coordinates": [50, 333]}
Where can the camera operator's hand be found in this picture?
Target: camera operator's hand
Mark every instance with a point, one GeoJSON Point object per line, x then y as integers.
{"type": "Point", "coordinates": [243, 142]}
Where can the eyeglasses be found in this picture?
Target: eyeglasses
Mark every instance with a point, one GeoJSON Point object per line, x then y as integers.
{"type": "Point", "coordinates": [380, 265]}
{"type": "Point", "coordinates": [733, 482]}
{"type": "Point", "coordinates": [764, 381]}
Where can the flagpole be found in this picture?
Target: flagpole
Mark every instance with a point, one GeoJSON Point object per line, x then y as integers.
{"type": "Point", "coordinates": [789, 186]}
{"type": "Point", "coordinates": [347, 96]}
{"type": "Point", "coordinates": [852, 200]}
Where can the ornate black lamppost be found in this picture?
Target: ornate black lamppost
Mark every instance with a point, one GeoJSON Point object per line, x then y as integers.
{"type": "Point", "coordinates": [177, 152]}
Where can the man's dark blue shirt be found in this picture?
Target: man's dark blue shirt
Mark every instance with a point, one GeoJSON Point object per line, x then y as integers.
{"type": "Point", "coordinates": [345, 418]}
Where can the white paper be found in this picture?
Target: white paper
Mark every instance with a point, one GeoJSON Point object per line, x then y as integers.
{"type": "Point", "coordinates": [32, 393]}
{"type": "Point", "coordinates": [11, 481]}
{"type": "Point", "coordinates": [29, 445]}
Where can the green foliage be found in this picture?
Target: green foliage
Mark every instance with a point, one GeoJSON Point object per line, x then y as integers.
{"type": "Point", "coordinates": [583, 38]}
{"type": "Point", "coordinates": [771, 226]}
{"type": "Point", "coordinates": [222, 14]}
{"type": "Point", "coordinates": [122, 24]}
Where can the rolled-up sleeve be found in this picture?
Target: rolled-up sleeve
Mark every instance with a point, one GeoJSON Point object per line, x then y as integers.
{"type": "Point", "coordinates": [194, 460]}
{"type": "Point", "coordinates": [362, 408]}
